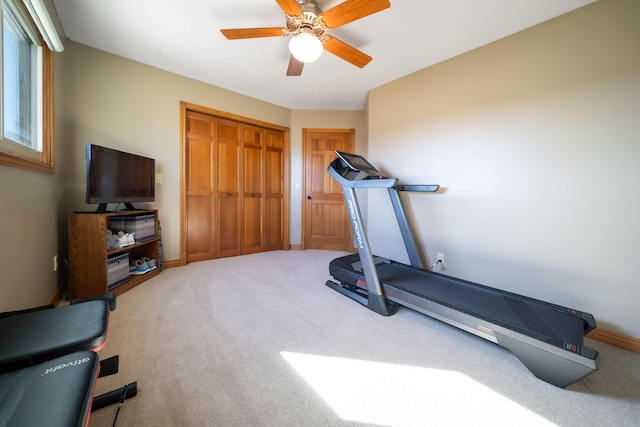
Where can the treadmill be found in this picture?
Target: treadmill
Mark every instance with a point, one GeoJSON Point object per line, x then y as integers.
{"type": "Point", "coordinates": [547, 338]}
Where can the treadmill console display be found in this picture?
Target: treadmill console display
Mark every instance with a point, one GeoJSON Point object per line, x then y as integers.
{"type": "Point", "coordinates": [357, 163]}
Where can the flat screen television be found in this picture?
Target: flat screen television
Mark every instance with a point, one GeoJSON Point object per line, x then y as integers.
{"type": "Point", "coordinates": [115, 176]}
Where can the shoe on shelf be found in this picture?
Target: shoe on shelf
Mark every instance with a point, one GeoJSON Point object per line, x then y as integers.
{"type": "Point", "coordinates": [138, 267]}
{"type": "Point", "coordinates": [112, 241]}
{"type": "Point", "coordinates": [131, 239]}
{"type": "Point", "coordinates": [151, 263]}
{"type": "Point", "coordinates": [123, 239]}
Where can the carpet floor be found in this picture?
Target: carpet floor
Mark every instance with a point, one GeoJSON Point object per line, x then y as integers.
{"type": "Point", "coordinates": [258, 340]}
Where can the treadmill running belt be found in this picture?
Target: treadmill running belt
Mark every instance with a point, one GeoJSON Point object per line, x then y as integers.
{"type": "Point", "coordinates": [532, 321]}
{"type": "Point", "coordinates": [498, 306]}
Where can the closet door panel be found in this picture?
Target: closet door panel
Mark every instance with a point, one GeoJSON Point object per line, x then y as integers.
{"type": "Point", "coordinates": [273, 223]}
{"type": "Point", "coordinates": [252, 226]}
{"type": "Point", "coordinates": [252, 189]}
{"type": "Point", "coordinates": [200, 140]}
{"type": "Point", "coordinates": [228, 232]}
{"type": "Point", "coordinates": [228, 203]}
{"type": "Point", "coordinates": [274, 215]}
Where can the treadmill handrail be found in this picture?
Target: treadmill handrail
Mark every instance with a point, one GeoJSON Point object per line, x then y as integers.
{"type": "Point", "coordinates": [417, 188]}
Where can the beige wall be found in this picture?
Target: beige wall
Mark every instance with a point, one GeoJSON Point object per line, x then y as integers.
{"type": "Point", "coordinates": [129, 106]}
{"type": "Point", "coordinates": [535, 139]}
{"type": "Point", "coordinates": [32, 220]}
{"type": "Point", "coordinates": [29, 230]}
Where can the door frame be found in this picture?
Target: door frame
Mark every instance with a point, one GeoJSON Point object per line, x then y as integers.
{"type": "Point", "coordinates": [186, 106]}
{"type": "Point", "coordinates": [303, 222]}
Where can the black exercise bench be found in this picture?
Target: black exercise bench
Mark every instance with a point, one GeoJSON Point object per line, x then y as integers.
{"type": "Point", "coordinates": [49, 365]}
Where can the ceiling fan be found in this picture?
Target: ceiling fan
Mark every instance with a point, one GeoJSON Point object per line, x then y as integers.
{"type": "Point", "coordinates": [309, 25]}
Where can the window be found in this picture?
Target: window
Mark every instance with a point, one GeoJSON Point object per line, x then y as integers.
{"type": "Point", "coordinates": [26, 122]}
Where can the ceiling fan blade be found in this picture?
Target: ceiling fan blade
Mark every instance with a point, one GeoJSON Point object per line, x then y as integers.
{"type": "Point", "coordinates": [352, 10]}
{"type": "Point", "coordinates": [290, 7]}
{"type": "Point", "coordinates": [249, 33]}
{"type": "Point", "coordinates": [295, 67]}
{"type": "Point", "coordinates": [346, 52]}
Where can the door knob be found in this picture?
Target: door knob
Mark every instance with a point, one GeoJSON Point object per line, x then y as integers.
{"type": "Point", "coordinates": [308, 197]}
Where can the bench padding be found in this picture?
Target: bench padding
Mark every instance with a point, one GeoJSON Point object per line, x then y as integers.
{"type": "Point", "coordinates": [56, 393]}
{"type": "Point", "coordinates": [42, 335]}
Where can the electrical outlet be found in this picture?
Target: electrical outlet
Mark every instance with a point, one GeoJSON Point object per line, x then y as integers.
{"type": "Point", "coordinates": [55, 263]}
{"type": "Point", "coordinates": [440, 257]}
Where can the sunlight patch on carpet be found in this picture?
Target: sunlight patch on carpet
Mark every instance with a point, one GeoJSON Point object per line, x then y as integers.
{"type": "Point", "coordinates": [399, 395]}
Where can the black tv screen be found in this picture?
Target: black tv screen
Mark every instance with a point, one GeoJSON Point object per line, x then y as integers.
{"type": "Point", "coordinates": [114, 176]}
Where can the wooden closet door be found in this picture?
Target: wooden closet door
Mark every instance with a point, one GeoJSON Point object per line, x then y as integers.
{"type": "Point", "coordinates": [200, 142]}
{"type": "Point", "coordinates": [253, 177]}
{"type": "Point", "coordinates": [228, 205]}
{"type": "Point", "coordinates": [234, 193]}
{"type": "Point", "coordinates": [274, 214]}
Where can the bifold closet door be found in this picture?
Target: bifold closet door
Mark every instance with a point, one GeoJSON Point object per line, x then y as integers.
{"type": "Point", "coordinates": [235, 187]}
{"type": "Point", "coordinates": [228, 167]}
{"type": "Point", "coordinates": [201, 132]}
{"type": "Point", "coordinates": [253, 173]}
{"type": "Point", "coordinates": [274, 209]}
{"type": "Point", "coordinates": [213, 187]}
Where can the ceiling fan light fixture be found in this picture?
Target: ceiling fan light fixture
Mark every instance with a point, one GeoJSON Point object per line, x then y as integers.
{"type": "Point", "coordinates": [305, 47]}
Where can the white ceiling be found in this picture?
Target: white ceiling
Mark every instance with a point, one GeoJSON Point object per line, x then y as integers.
{"type": "Point", "coordinates": [183, 37]}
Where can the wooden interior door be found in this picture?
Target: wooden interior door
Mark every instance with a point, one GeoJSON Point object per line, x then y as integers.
{"type": "Point", "coordinates": [200, 132]}
{"type": "Point", "coordinates": [326, 223]}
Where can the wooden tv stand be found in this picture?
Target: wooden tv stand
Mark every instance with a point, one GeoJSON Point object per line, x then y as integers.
{"type": "Point", "coordinates": [88, 254]}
